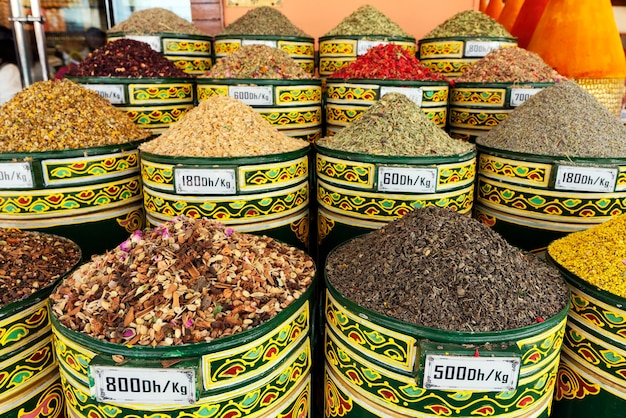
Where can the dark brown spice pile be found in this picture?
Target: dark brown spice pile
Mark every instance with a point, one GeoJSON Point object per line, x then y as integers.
{"type": "Point", "coordinates": [127, 58]}
{"type": "Point", "coordinates": [31, 261]}
{"type": "Point", "coordinates": [185, 281]}
{"type": "Point", "coordinates": [440, 269]}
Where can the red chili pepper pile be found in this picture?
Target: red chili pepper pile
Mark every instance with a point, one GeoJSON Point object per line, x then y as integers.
{"type": "Point", "coordinates": [387, 62]}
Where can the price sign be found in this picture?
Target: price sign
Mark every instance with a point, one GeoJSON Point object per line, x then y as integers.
{"type": "Point", "coordinates": [362, 46]}
{"type": "Point", "coordinates": [114, 93]}
{"type": "Point", "coordinates": [480, 48]}
{"type": "Point", "coordinates": [266, 42]}
{"type": "Point", "coordinates": [408, 180]}
{"type": "Point", "coordinates": [153, 41]}
{"type": "Point", "coordinates": [415, 94]}
{"type": "Point", "coordinates": [585, 179]}
{"type": "Point", "coordinates": [495, 374]}
{"type": "Point", "coordinates": [204, 181]}
{"type": "Point", "coordinates": [16, 176]}
{"type": "Point", "coordinates": [143, 385]}
{"type": "Point", "coordinates": [519, 96]}
{"type": "Point", "coordinates": [252, 95]}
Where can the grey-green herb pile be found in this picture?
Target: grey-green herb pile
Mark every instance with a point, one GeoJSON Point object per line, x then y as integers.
{"type": "Point", "coordinates": [155, 20]}
{"type": "Point", "coordinates": [367, 20]}
{"type": "Point", "coordinates": [470, 23]}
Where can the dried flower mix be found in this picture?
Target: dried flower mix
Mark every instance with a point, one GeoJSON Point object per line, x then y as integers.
{"type": "Point", "coordinates": [561, 120]}
{"type": "Point", "coordinates": [469, 23]}
{"type": "Point", "coordinates": [126, 58]}
{"type": "Point", "coordinates": [597, 255]}
{"type": "Point", "coordinates": [31, 261]}
{"type": "Point", "coordinates": [185, 281]}
{"type": "Point", "coordinates": [155, 20]}
{"type": "Point", "coordinates": [395, 126]}
{"type": "Point", "coordinates": [257, 61]}
{"type": "Point", "coordinates": [367, 20]}
{"type": "Point", "coordinates": [387, 62]}
{"type": "Point", "coordinates": [441, 269]}
{"type": "Point", "coordinates": [60, 114]}
{"type": "Point", "coordinates": [510, 65]}
{"type": "Point", "coordinates": [266, 21]}
{"type": "Point", "coordinates": [222, 127]}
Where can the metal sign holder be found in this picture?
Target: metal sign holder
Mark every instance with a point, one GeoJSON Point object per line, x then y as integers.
{"type": "Point", "coordinates": [19, 19]}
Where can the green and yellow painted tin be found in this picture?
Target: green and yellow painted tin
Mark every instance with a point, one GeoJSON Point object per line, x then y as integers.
{"type": "Point", "coordinates": [346, 99]}
{"type": "Point", "coordinates": [451, 55]}
{"type": "Point", "coordinates": [300, 48]}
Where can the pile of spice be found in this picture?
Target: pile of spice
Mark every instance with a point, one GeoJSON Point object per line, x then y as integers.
{"type": "Point", "coordinates": [266, 21]}
{"type": "Point", "coordinates": [561, 120]}
{"type": "Point", "coordinates": [185, 281]}
{"type": "Point", "coordinates": [387, 62]}
{"type": "Point", "coordinates": [441, 269]}
{"type": "Point", "coordinates": [257, 61]}
{"type": "Point", "coordinates": [395, 126]}
{"type": "Point", "coordinates": [32, 261]}
{"type": "Point", "coordinates": [60, 114]}
{"type": "Point", "coordinates": [222, 127]}
{"type": "Point", "coordinates": [470, 23]}
{"type": "Point", "coordinates": [596, 255]}
{"type": "Point", "coordinates": [155, 20]}
{"type": "Point", "coordinates": [367, 20]}
{"type": "Point", "coordinates": [510, 65]}
{"type": "Point", "coordinates": [126, 58]}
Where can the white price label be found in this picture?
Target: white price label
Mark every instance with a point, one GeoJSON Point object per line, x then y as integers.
{"type": "Point", "coordinates": [266, 42]}
{"type": "Point", "coordinates": [252, 95]}
{"type": "Point", "coordinates": [204, 181]}
{"type": "Point", "coordinates": [153, 41]}
{"type": "Point", "coordinates": [471, 373]}
{"type": "Point", "coordinates": [16, 176]}
{"type": "Point", "coordinates": [363, 46]}
{"type": "Point", "coordinates": [413, 93]}
{"type": "Point", "coordinates": [143, 385]}
{"type": "Point", "coordinates": [585, 179]}
{"type": "Point", "coordinates": [480, 48]}
{"type": "Point", "coordinates": [114, 93]}
{"type": "Point", "coordinates": [519, 96]}
{"type": "Point", "coordinates": [410, 180]}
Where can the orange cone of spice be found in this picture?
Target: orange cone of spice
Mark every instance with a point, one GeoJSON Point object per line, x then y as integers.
{"type": "Point", "coordinates": [482, 7]}
{"type": "Point", "coordinates": [527, 20]}
{"type": "Point", "coordinates": [509, 13]}
{"type": "Point", "coordinates": [494, 8]}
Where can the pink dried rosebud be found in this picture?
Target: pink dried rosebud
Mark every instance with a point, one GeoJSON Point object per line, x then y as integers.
{"type": "Point", "coordinates": [189, 323]}
{"type": "Point", "coordinates": [229, 231]}
{"type": "Point", "coordinates": [128, 333]}
{"type": "Point", "coordinates": [126, 246]}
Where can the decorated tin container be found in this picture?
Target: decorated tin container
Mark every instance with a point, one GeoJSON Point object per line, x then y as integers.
{"type": "Point", "coordinates": [261, 372]}
{"type": "Point", "coordinates": [266, 195]}
{"type": "Point", "coordinates": [191, 53]}
{"type": "Point", "coordinates": [300, 48]}
{"type": "Point", "coordinates": [451, 55]}
{"type": "Point", "coordinates": [30, 384]}
{"type": "Point", "coordinates": [475, 108]}
{"type": "Point", "coordinates": [378, 366]}
{"type": "Point", "coordinates": [335, 52]}
{"type": "Point", "coordinates": [346, 99]}
{"type": "Point", "coordinates": [152, 103]}
{"type": "Point", "coordinates": [92, 196]}
{"type": "Point", "coordinates": [591, 379]}
{"type": "Point", "coordinates": [294, 107]}
{"type": "Point", "coordinates": [357, 193]}
{"type": "Point", "coordinates": [533, 199]}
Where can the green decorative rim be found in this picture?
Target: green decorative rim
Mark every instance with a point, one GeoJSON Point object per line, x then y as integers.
{"type": "Point", "coordinates": [365, 37]}
{"type": "Point", "coordinates": [387, 82]}
{"type": "Point", "coordinates": [453, 337]}
{"type": "Point", "coordinates": [162, 35]}
{"type": "Point", "coordinates": [131, 80]}
{"type": "Point", "coordinates": [383, 159]}
{"type": "Point", "coordinates": [230, 161]}
{"type": "Point", "coordinates": [467, 38]}
{"type": "Point", "coordinates": [258, 81]}
{"type": "Point", "coordinates": [586, 287]}
{"type": "Point", "coordinates": [499, 85]}
{"type": "Point", "coordinates": [221, 36]}
{"type": "Point", "coordinates": [187, 350]}
{"type": "Point", "coordinates": [548, 159]}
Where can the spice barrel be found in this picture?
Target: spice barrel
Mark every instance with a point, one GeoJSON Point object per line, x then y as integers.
{"type": "Point", "coordinates": [91, 195]}
{"type": "Point", "coordinates": [264, 194]}
{"type": "Point", "coordinates": [191, 53]}
{"type": "Point", "coordinates": [377, 366]}
{"type": "Point", "coordinates": [300, 48]}
{"type": "Point", "coordinates": [335, 52]}
{"type": "Point", "coordinates": [152, 103]}
{"type": "Point", "coordinates": [294, 107]}
{"type": "Point", "coordinates": [357, 193]}
{"type": "Point", "coordinates": [345, 100]}
{"type": "Point", "coordinates": [590, 380]}
{"type": "Point", "coordinates": [534, 199]}
{"type": "Point", "coordinates": [478, 107]}
{"type": "Point", "coordinates": [451, 55]}
{"type": "Point", "coordinates": [263, 371]}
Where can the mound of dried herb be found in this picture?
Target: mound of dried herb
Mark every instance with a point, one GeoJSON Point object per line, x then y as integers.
{"type": "Point", "coordinates": [469, 23]}
{"type": "Point", "coordinates": [395, 126]}
{"type": "Point", "coordinates": [367, 20]}
{"type": "Point", "coordinates": [441, 269]}
{"type": "Point", "coordinates": [126, 58]}
{"type": "Point", "coordinates": [264, 20]}
{"type": "Point", "coordinates": [155, 20]}
{"type": "Point", "coordinates": [561, 120]}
